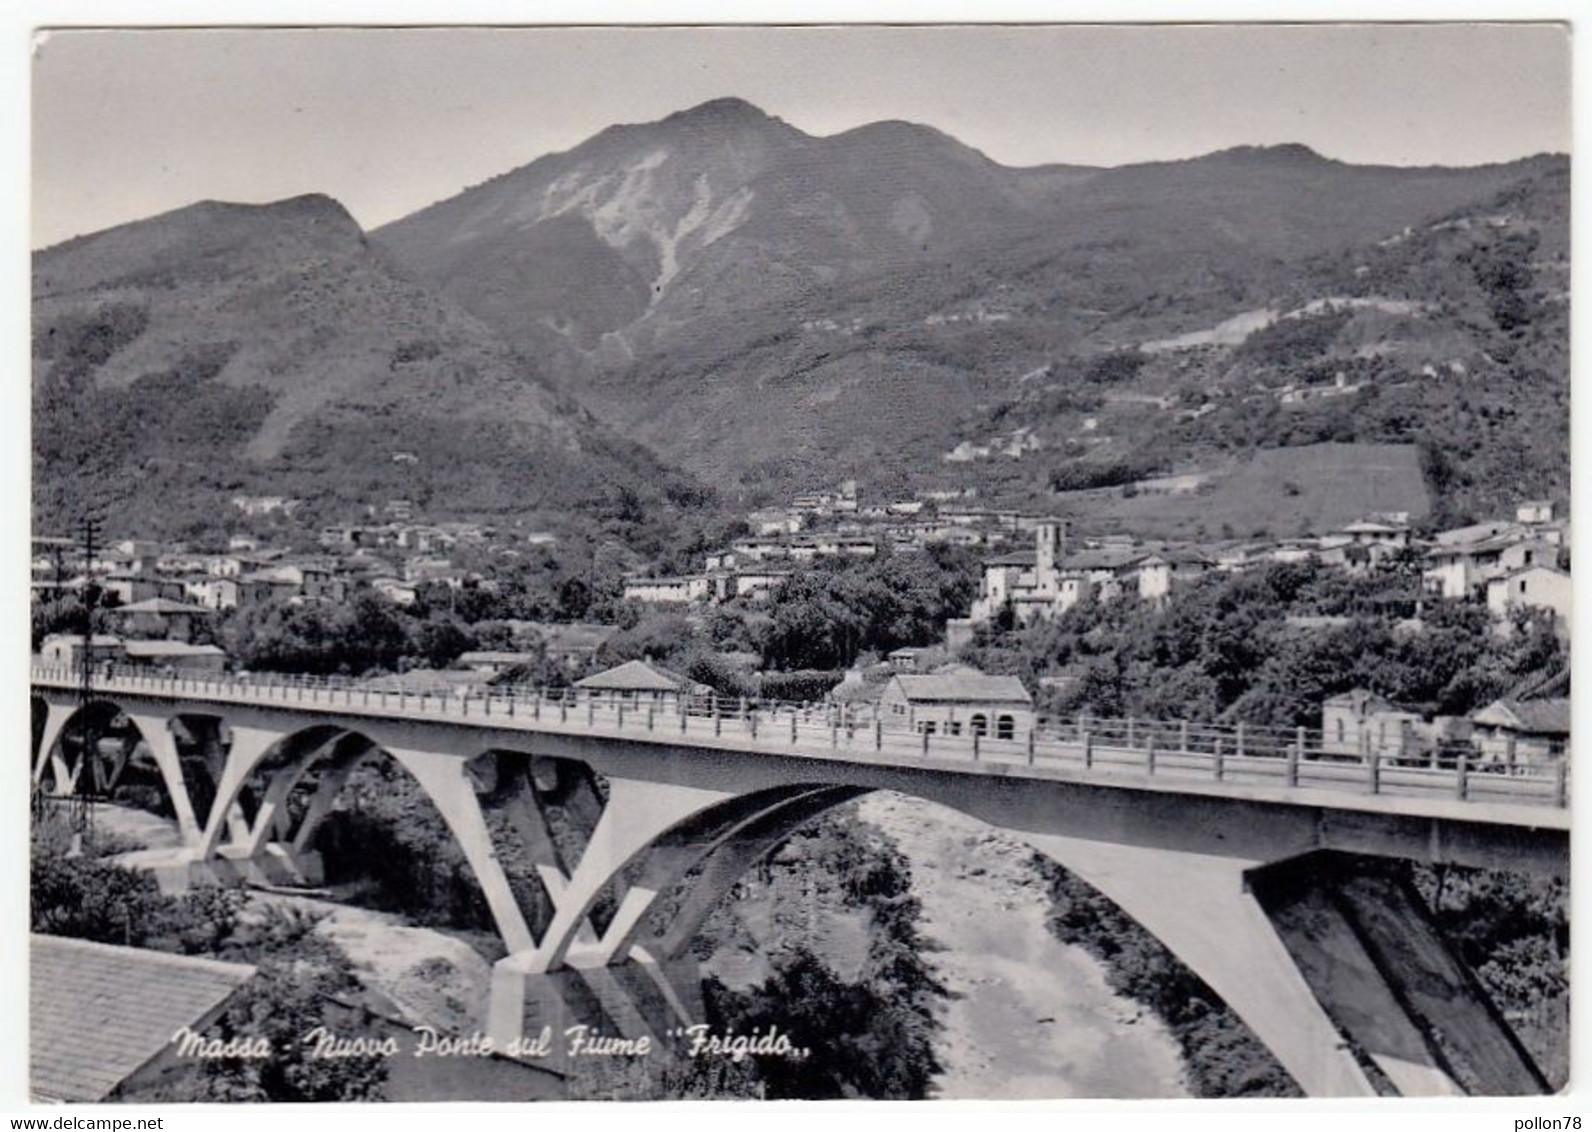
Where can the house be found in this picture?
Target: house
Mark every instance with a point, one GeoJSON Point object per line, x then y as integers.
{"type": "Point", "coordinates": [214, 592]}
{"type": "Point", "coordinates": [668, 591]}
{"type": "Point", "coordinates": [1522, 730]}
{"type": "Point", "coordinates": [66, 650]}
{"type": "Point", "coordinates": [492, 662]}
{"type": "Point", "coordinates": [419, 571]}
{"type": "Point", "coordinates": [102, 1018]}
{"type": "Point", "coordinates": [266, 504]}
{"type": "Point", "coordinates": [640, 681]}
{"type": "Point", "coordinates": [1533, 511]}
{"type": "Point", "coordinates": [1532, 587]}
{"type": "Point", "coordinates": [1351, 556]}
{"type": "Point", "coordinates": [905, 659]}
{"type": "Point", "coordinates": [176, 656]}
{"type": "Point", "coordinates": [1383, 528]}
{"type": "Point", "coordinates": [1475, 532]}
{"type": "Point", "coordinates": [957, 702]}
{"type": "Point", "coordinates": [1288, 550]}
{"type": "Point", "coordinates": [757, 549]}
{"type": "Point", "coordinates": [181, 562]}
{"type": "Point", "coordinates": [425, 540]}
{"type": "Point", "coordinates": [571, 645]}
{"type": "Point", "coordinates": [1462, 569]}
{"type": "Point", "coordinates": [1360, 722]}
{"type": "Point", "coordinates": [1155, 573]}
{"type": "Point", "coordinates": [133, 588]}
{"type": "Point", "coordinates": [774, 521]}
{"type": "Point", "coordinates": [263, 588]}
{"type": "Point", "coordinates": [162, 617]}
{"type": "Point", "coordinates": [396, 590]}
{"type": "Point", "coordinates": [312, 580]}
{"type": "Point", "coordinates": [1005, 577]}
{"type": "Point", "coordinates": [759, 583]}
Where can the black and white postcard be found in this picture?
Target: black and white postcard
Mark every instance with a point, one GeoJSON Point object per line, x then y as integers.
{"type": "Point", "coordinates": [799, 562]}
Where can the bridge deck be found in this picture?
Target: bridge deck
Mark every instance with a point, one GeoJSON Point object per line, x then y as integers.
{"type": "Point", "coordinates": [1154, 759]}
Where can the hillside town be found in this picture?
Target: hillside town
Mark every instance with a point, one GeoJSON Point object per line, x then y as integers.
{"type": "Point", "coordinates": [162, 600]}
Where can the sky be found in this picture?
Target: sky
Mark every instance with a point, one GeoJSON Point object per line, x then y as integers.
{"type": "Point", "coordinates": [127, 124]}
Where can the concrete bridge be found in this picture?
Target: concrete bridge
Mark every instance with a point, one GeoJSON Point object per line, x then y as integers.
{"type": "Point", "coordinates": [603, 833]}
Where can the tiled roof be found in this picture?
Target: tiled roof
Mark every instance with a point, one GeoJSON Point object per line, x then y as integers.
{"type": "Point", "coordinates": [99, 1012]}
{"type": "Point", "coordinates": [1533, 717]}
{"type": "Point", "coordinates": [964, 688]}
{"type": "Point", "coordinates": [1477, 532]}
{"type": "Point", "coordinates": [171, 648]}
{"type": "Point", "coordinates": [1484, 545]}
{"type": "Point", "coordinates": [1017, 558]}
{"type": "Point", "coordinates": [1540, 687]}
{"type": "Point", "coordinates": [1361, 701]}
{"type": "Point", "coordinates": [164, 605]}
{"type": "Point", "coordinates": [496, 656]}
{"type": "Point", "coordinates": [1105, 558]}
{"type": "Point", "coordinates": [635, 676]}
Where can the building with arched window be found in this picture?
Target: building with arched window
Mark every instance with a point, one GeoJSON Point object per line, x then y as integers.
{"type": "Point", "coordinates": [958, 701]}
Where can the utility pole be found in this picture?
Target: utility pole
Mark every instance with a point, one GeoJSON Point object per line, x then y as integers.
{"type": "Point", "coordinates": [83, 811]}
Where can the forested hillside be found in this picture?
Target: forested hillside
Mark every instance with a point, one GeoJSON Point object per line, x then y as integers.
{"type": "Point", "coordinates": [270, 349]}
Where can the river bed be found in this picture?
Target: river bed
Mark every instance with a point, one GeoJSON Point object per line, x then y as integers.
{"type": "Point", "coordinates": [1029, 1016]}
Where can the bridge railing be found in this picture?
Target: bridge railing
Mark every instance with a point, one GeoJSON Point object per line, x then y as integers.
{"type": "Point", "coordinates": [1239, 753]}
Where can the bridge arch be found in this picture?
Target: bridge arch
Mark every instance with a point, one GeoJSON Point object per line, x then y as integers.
{"type": "Point", "coordinates": [280, 791]}
{"type": "Point", "coordinates": [72, 755]}
{"type": "Point", "coordinates": [673, 884]}
{"type": "Point", "coordinates": [161, 751]}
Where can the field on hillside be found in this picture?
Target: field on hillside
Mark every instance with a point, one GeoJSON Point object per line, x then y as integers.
{"type": "Point", "coordinates": [1279, 491]}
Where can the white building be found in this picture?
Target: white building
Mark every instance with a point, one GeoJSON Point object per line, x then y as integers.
{"type": "Point", "coordinates": [668, 591]}
{"type": "Point", "coordinates": [1534, 511]}
{"type": "Point", "coordinates": [640, 681]}
{"type": "Point", "coordinates": [1531, 587]}
{"type": "Point", "coordinates": [958, 702]}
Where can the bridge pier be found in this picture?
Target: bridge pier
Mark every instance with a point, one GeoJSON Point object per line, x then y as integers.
{"type": "Point", "coordinates": [1378, 963]}
{"type": "Point", "coordinates": [248, 748]}
{"type": "Point", "coordinates": [156, 732]}
{"type": "Point", "coordinates": [56, 714]}
{"type": "Point", "coordinates": [273, 864]}
{"type": "Point", "coordinates": [1200, 908]}
{"type": "Point", "coordinates": [537, 1010]}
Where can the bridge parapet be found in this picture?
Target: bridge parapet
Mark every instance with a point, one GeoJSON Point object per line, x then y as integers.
{"type": "Point", "coordinates": [1210, 757]}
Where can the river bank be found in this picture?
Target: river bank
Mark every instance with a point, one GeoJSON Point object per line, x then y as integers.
{"type": "Point", "coordinates": [1028, 1016]}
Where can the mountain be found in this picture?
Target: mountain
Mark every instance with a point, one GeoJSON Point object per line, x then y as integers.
{"type": "Point", "coordinates": [222, 348]}
{"type": "Point", "coordinates": [1447, 339]}
{"type": "Point", "coordinates": [771, 309]}
{"type": "Point", "coordinates": [647, 227]}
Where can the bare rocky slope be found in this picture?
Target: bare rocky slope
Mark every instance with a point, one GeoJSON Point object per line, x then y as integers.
{"type": "Point", "coordinates": [767, 307]}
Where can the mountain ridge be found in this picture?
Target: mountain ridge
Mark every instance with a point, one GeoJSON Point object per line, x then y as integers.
{"type": "Point", "coordinates": [222, 347]}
